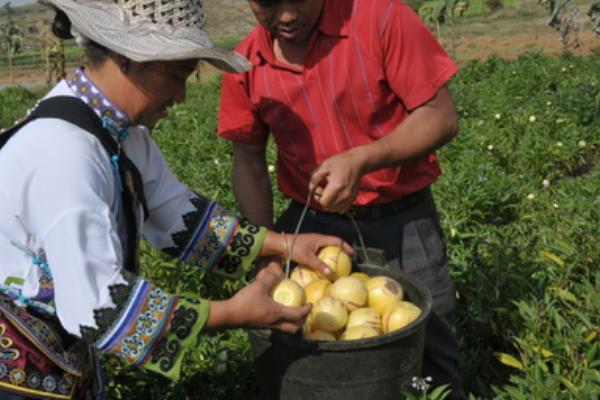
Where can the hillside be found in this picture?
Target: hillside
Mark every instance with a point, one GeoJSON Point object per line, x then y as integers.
{"type": "Point", "coordinates": [519, 27]}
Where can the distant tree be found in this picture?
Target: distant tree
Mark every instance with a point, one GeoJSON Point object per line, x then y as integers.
{"type": "Point", "coordinates": [594, 13]}
{"type": "Point", "coordinates": [54, 55]}
{"type": "Point", "coordinates": [444, 12]}
{"type": "Point", "coordinates": [565, 18]}
{"type": "Point", "coordinates": [33, 30]}
{"type": "Point", "coordinates": [494, 5]}
{"type": "Point", "coordinates": [11, 38]}
{"type": "Point", "coordinates": [53, 52]}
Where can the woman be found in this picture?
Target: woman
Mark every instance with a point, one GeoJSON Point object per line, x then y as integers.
{"type": "Point", "coordinates": [81, 179]}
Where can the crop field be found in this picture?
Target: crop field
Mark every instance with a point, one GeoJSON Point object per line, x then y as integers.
{"type": "Point", "coordinates": [520, 206]}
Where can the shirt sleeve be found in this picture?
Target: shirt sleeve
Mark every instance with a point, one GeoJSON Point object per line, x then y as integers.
{"type": "Point", "coordinates": [415, 64]}
{"type": "Point", "coordinates": [193, 228]}
{"type": "Point", "coordinates": [239, 119]}
{"type": "Point", "coordinates": [66, 197]}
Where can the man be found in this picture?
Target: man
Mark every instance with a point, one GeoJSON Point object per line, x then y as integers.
{"type": "Point", "coordinates": [354, 94]}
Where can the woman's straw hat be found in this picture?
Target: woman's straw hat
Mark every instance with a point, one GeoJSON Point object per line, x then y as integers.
{"type": "Point", "coordinates": [148, 30]}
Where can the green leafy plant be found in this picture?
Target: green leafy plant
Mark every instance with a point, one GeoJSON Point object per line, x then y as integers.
{"type": "Point", "coordinates": [420, 390]}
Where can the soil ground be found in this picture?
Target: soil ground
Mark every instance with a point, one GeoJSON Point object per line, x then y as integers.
{"type": "Point", "coordinates": [505, 33]}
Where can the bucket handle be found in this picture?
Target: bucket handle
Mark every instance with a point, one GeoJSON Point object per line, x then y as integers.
{"type": "Point", "coordinates": [360, 237]}
{"type": "Point", "coordinates": [301, 219]}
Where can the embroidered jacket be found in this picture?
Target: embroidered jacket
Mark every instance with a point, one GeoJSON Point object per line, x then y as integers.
{"type": "Point", "coordinates": [60, 202]}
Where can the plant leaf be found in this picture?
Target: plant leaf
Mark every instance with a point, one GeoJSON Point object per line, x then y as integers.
{"type": "Point", "coordinates": [544, 352]}
{"type": "Point", "coordinates": [509, 361]}
{"type": "Point", "coordinates": [553, 257]}
{"type": "Point", "coordinates": [589, 338]}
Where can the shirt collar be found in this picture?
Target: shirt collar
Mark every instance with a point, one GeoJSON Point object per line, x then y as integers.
{"type": "Point", "coordinates": [333, 22]}
{"type": "Point", "coordinates": [87, 91]}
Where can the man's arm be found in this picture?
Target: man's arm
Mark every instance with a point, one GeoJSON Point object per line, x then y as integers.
{"type": "Point", "coordinates": [427, 128]}
{"type": "Point", "coordinates": [251, 183]}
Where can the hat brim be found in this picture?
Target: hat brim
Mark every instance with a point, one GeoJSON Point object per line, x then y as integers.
{"type": "Point", "coordinates": [106, 24]}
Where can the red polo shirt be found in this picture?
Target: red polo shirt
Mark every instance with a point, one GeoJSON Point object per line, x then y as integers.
{"type": "Point", "coordinates": [370, 62]}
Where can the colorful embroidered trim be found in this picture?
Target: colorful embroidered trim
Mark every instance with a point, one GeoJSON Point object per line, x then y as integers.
{"type": "Point", "coordinates": [149, 327]}
{"type": "Point", "coordinates": [188, 319]}
{"type": "Point", "coordinates": [217, 238]}
{"type": "Point", "coordinates": [212, 235]}
{"type": "Point", "coordinates": [7, 352]}
{"type": "Point", "coordinates": [242, 250]}
{"type": "Point", "coordinates": [30, 382]}
{"type": "Point", "coordinates": [141, 324]}
{"type": "Point", "coordinates": [85, 90]}
{"type": "Point", "coordinates": [43, 337]}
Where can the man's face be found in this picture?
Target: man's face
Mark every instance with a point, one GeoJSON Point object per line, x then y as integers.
{"type": "Point", "coordinates": [291, 21]}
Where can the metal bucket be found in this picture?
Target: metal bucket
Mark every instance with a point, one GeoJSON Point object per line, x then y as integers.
{"type": "Point", "coordinates": [291, 368]}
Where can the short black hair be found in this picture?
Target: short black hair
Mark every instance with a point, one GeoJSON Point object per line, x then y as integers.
{"type": "Point", "coordinates": [267, 3]}
{"type": "Point", "coordinates": [96, 53]}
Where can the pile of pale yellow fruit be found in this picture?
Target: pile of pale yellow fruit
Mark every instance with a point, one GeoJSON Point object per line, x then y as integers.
{"type": "Point", "coordinates": [346, 305]}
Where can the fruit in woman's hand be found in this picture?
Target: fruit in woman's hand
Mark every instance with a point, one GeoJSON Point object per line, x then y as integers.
{"type": "Point", "coordinates": [359, 332]}
{"type": "Point", "coordinates": [304, 275]}
{"type": "Point", "coordinates": [364, 317]}
{"type": "Point", "coordinates": [383, 291]}
{"type": "Point", "coordinates": [337, 259]}
{"type": "Point", "coordinates": [351, 291]}
{"type": "Point", "coordinates": [329, 314]}
{"type": "Point", "coordinates": [398, 315]}
{"type": "Point", "coordinates": [316, 290]}
{"type": "Point", "coordinates": [289, 293]}
{"type": "Point", "coordinates": [321, 336]}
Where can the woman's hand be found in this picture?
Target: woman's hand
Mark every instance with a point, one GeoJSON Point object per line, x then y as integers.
{"type": "Point", "coordinates": [305, 248]}
{"type": "Point", "coordinates": [253, 307]}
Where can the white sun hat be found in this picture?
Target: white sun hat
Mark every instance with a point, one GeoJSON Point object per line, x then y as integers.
{"type": "Point", "coordinates": [148, 30]}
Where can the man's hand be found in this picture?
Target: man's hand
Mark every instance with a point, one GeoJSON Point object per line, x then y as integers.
{"type": "Point", "coordinates": [336, 182]}
{"type": "Point", "coordinates": [425, 129]}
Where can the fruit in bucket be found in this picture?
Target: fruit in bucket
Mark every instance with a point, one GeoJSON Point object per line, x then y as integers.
{"type": "Point", "coordinates": [309, 325]}
{"type": "Point", "coordinates": [289, 293]}
{"type": "Point", "coordinates": [360, 275]}
{"type": "Point", "coordinates": [364, 317]}
{"type": "Point", "coordinates": [304, 275]}
{"type": "Point", "coordinates": [399, 315]}
{"type": "Point", "coordinates": [320, 335]}
{"type": "Point", "coordinates": [351, 291]}
{"type": "Point", "coordinates": [383, 292]}
{"type": "Point", "coordinates": [316, 290]}
{"type": "Point", "coordinates": [337, 259]}
{"type": "Point", "coordinates": [359, 332]}
{"type": "Point", "coordinates": [329, 314]}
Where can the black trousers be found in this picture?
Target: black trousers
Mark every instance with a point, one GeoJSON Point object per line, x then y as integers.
{"type": "Point", "coordinates": [412, 241]}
